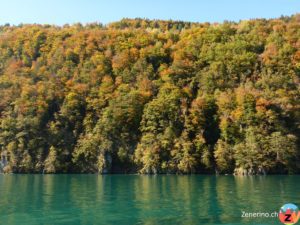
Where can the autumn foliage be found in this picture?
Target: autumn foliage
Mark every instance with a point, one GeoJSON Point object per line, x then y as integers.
{"type": "Point", "coordinates": [151, 97]}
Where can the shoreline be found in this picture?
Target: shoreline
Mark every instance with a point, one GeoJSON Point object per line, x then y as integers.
{"type": "Point", "coordinates": [161, 174]}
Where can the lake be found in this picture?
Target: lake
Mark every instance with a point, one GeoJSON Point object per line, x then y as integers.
{"type": "Point", "coordinates": [135, 199]}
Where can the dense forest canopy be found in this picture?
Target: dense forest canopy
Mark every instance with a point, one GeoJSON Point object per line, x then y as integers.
{"type": "Point", "coordinates": [151, 96]}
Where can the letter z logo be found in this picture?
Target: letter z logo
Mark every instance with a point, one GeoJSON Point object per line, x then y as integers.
{"type": "Point", "coordinates": [287, 218]}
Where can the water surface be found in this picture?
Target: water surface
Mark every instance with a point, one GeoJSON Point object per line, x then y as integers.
{"type": "Point", "coordinates": [149, 200]}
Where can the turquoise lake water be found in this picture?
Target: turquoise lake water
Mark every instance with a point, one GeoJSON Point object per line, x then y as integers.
{"type": "Point", "coordinates": [134, 199]}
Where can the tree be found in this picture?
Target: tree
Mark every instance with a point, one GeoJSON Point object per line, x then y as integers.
{"type": "Point", "coordinates": [151, 96]}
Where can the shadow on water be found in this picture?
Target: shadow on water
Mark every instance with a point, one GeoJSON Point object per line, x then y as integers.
{"type": "Point", "coordinates": [134, 199]}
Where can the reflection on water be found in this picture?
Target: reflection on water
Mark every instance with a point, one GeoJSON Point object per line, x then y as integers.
{"type": "Point", "coordinates": [133, 199]}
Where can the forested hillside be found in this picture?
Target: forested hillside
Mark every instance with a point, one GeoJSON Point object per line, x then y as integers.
{"type": "Point", "coordinates": [151, 97]}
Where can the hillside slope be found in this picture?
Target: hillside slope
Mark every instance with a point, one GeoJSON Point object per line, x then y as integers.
{"type": "Point", "coordinates": [151, 97]}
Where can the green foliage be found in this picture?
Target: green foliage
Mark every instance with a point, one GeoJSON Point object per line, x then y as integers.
{"type": "Point", "coordinates": [151, 96]}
